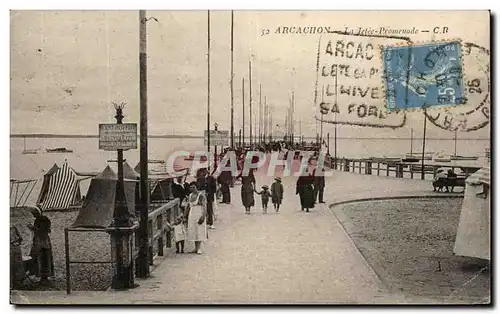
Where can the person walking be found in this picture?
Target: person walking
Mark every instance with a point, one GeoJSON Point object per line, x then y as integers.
{"type": "Point", "coordinates": [277, 193]}
{"type": "Point", "coordinates": [211, 190]}
{"type": "Point", "coordinates": [196, 214]}
{"type": "Point", "coordinates": [305, 189]}
{"type": "Point", "coordinates": [319, 185]}
{"type": "Point", "coordinates": [225, 179]}
{"type": "Point", "coordinates": [265, 194]}
{"type": "Point", "coordinates": [207, 183]}
{"type": "Point", "coordinates": [247, 190]}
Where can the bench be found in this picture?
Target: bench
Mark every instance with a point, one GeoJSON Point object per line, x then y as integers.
{"type": "Point", "coordinates": [449, 183]}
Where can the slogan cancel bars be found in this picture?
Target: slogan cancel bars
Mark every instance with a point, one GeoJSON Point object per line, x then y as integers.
{"type": "Point", "coordinates": [350, 86]}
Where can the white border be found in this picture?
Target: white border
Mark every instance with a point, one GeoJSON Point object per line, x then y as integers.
{"type": "Point", "coordinates": [186, 4]}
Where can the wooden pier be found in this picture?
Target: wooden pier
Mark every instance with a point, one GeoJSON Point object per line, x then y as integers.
{"type": "Point", "coordinates": [397, 169]}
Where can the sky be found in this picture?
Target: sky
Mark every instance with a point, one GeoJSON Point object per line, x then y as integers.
{"type": "Point", "coordinates": [67, 67]}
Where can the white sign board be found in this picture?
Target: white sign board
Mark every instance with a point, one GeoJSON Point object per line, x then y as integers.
{"type": "Point", "coordinates": [118, 136]}
{"type": "Point", "coordinates": [220, 138]}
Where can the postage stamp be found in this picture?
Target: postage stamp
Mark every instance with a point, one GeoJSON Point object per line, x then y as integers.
{"type": "Point", "coordinates": [423, 76]}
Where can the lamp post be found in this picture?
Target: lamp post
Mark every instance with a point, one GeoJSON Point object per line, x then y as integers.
{"type": "Point", "coordinates": [121, 229]}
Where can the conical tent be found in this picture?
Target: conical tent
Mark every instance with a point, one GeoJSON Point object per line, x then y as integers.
{"type": "Point", "coordinates": [98, 207]}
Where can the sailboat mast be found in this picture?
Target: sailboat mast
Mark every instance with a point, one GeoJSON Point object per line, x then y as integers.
{"type": "Point", "coordinates": [455, 142]}
{"type": "Point", "coordinates": [411, 142]}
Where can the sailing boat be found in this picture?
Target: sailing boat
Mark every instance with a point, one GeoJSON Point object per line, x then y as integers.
{"type": "Point", "coordinates": [28, 151]}
{"type": "Point", "coordinates": [460, 157]}
{"type": "Point", "coordinates": [416, 156]}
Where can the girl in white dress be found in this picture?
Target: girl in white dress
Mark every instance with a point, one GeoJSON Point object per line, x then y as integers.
{"type": "Point", "coordinates": [196, 213]}
{"type": "Point", "coordinates": [179, 234]}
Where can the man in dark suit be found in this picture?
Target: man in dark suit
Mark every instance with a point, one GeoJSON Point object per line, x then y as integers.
{"type": "Point", "coordinates": [208, 184]}
{"type": "Point", "coordinates": [211, 190]}
{"type": "Point", "coordinates": [319, 185]}
{"type": "Point", "coordinates": [224, 180]}
{"type": "Point", "coordinates": [180, 189]}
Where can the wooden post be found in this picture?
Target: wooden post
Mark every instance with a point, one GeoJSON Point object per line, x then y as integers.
{"type": "Point", "coordinates": [159, 226]}
{"type": "Point", "coordinates": [144, 182]}
{"type": "Point", "coordinates": [68, 269]}
{"type": "Point", "coordinates": [243, 108]}
{"type": "Point", "coordinates": [378, 168]}
{"type": "Point", "coordinates": [423, 146]}
{"type": "Point", "coordinates": [232, 79]}
{"type": "Point", "coordinates": [250, 96]}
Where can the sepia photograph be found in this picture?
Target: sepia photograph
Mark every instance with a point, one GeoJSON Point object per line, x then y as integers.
{"type": "Point", "coordinates": [259, 157]}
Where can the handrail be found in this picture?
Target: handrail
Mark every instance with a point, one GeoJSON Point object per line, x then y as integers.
{"type": "Point", "coordinates": [391, 166]}
{"type": "Point", "coordinates": [159, 233]}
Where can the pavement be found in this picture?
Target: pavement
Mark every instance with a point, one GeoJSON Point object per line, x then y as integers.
{"type": "Point", "coordinates": [290, 257]}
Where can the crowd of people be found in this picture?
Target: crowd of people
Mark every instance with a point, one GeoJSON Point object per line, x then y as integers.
{"type": "Point", "coordinates": [199, 197]}
{"type": "Point", "coordinates": [197, 200]}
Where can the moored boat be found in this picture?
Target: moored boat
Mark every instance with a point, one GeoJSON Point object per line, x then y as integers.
{"type": "Point", "coordinates": [58, 150]}
{"type": "Point", "coordinates": [458, 157]}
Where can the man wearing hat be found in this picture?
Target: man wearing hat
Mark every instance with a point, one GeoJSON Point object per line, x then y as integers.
{"type": "Point", "coordinates": [277, 193]}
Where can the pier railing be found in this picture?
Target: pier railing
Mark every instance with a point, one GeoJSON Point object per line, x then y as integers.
{"type": "Point", "coordinates": [159, 235]}
{"type": "Point", "coordinates": [389, 168]}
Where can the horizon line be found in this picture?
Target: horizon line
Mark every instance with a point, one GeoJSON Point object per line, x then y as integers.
{"type": "Point", "coordinates": [52, 135]}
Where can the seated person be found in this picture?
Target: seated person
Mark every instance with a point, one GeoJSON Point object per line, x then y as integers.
{"type": "Point", "coordinates": [451, 174]}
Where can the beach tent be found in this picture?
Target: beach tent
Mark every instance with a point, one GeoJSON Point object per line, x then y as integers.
{"type": "Point", "coordinates": [98, 207]}
{"type": "Point", "coordinates": [159, 185]}
{"type": "Point", "coordinates": [473, 233]}
{"type": "Point", "coordinates": [62, 189]}
{"type": "Point", "coordinates": [45, 183]}
{"type": "Point", "coordinates": [162, 190]}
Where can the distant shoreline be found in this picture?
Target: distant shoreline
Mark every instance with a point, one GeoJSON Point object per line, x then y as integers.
{"type": "Point", "coordinates": [180, 136]}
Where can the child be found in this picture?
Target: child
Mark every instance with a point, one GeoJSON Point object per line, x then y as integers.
{"type": "Point", "coordinates": [179, 234]}
{"type": "Point", "coordinates": [277, 193]}
{"type": "Point", "coordinates": [264, 194]}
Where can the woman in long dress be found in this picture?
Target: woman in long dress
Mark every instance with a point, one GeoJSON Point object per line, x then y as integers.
{"type": "Point", "coordinates": [196, 213]}
{"type": "Point", "coordinates": [305, 189]}
{"type": "Point", "coordinates": [41, 251]}
{"type": "Point", "coordinates": [247, 190]}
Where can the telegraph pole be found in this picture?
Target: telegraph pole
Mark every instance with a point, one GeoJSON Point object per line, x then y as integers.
{"type": "Point", "coordinates": [250, 91]}
{"type": "Point", "coordinates": [423, 145]}
{"type": "Point", "coordinates": [243, 97]}
{"type": "Point", "coordinates": [143, 270]}
{"type": "Point", "coordinates": [208, 83]}
{"type": "Point", "coordinates": [321, 123]}
{"type": "Point", "coordinates": [232, 79]}
{"type": "Point", "coordinates": [260, 113]}
{"type": "Point", "coordinates": [271, 126]}
{"type": "Point", "coordinates": [293, 117]}
{"type": "Point", "coordinates": [264, 120]}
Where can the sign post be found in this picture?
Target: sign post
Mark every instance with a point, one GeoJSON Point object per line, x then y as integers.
{"type": "Point", "coordinates": [118, 137]}
{"type": "Point", "coordinates": [220, 138]}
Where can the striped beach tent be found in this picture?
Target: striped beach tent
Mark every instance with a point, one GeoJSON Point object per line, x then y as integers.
{"type": "Point", "coordinates": [45, 184]}
{"type": "Point", "coordinates": [63, 189]}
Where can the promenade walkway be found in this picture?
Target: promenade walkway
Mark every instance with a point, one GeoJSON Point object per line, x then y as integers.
{"type": "Point", "coordinates": [286, 257]}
